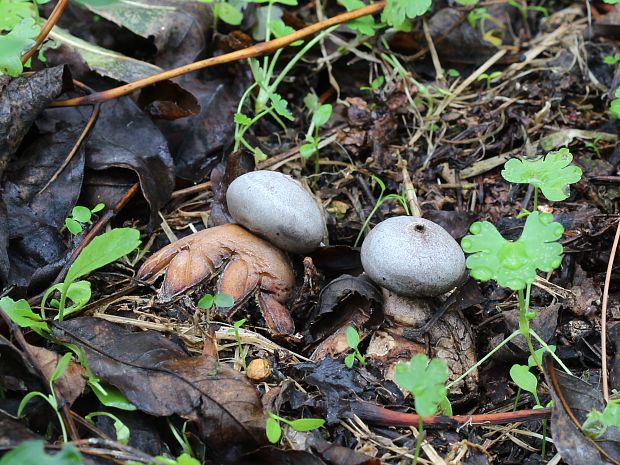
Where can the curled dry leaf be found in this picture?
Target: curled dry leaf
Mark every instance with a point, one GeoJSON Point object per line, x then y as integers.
{"type": "Point", "coordinates": [250, 264]}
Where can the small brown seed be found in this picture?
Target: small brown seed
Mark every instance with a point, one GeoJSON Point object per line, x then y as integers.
{"type": "Point", "coordinates": [258, 370]}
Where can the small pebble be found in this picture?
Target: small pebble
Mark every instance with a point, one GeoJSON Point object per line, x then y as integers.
{"type": "Point", "coordinates": [277, 207]}
{"type": "Point", "coordinates": [413, 257]}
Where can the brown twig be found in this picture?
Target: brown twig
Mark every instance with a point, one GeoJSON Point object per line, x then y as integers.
{"type": "Point", "coordinates": [383, 416]}
{"type": "Point", "coordinates": [610, 265]}
{"type": "Point", "coordinates": [47, 27]}
{"type": "Point", "coordinates": [262, 48]}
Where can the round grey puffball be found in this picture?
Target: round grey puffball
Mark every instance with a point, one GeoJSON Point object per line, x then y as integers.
{"type": "Point", "coordinates": [413, 257]}
{"type": "Point", "coordinates": [277, 207]}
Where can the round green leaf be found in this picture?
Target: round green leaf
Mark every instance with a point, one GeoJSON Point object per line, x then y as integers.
{"type": "Point", "coordinates": [205, 302]}
{"type": "Point", "coordinates": [349, 360]}
{"type": "Point", "coordinates": [73, 226]}
{"type": "Point", "coordinates": [552, 174]}
{"type": "Point", "coordinates": [322, 115]}
{"type": "Point", "coordinates": [307, 150]}
{"type": "Point", "coordinates": [81, 214]}
{"type": "Point", "coordinates": [513, 264]}
{"type": "Point", "coordinates": [223, 300]}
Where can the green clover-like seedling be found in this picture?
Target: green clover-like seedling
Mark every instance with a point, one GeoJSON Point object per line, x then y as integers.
{"type": "Point", "coordinates": [426, 380]}
{"type": "Point", "coordinates": [513, 264]}
{"type": "Point", "coordinates": [552, 174]}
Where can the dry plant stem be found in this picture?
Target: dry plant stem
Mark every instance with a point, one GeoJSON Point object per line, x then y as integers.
{"type": "Point", "coordinates": [431, 47]}
{"type": "Point", "coordinates": [65, 412]}
{"type": "Point", "coordinates": [610, 265]}
{"type": "Point", "coordinates": [45, 30]}
{"type": "Point", "coordinates": [376, 414]}
{"type": "Point", "coordinates": [260, 49]}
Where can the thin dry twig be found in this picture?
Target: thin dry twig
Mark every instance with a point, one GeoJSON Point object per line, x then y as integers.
{"type": "Point", "coordinates": [610, 265]}
{"type": "Point", "coordinates": [45, 30]}
{"type": "Point", "coordinates": [260, 49]}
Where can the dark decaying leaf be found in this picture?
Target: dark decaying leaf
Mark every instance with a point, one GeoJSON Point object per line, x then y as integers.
{"type": "Point", "coordinates": [345, 301]}
{"type": "Point", "coordinates": [13, 432]}
{"type": "Point", "coordinates": [342, 287]}
{"type": "Point", "coordinates": [71, 383]}
{"type": "Point", "coordinates": [158, 377]}
{"type": "Point", "coordinates": [4, 243]}
{"type": "Point", "coordinates": [168, 100]}
{"type": "Point", "coordinates": [178, 27]}
{"type": "Point", "coordinates": [145, 430]}
{"type": "Point", "coordinates": [235, 165]}
{"type": "Point", "coordinates": [124, 137]}
{"type": "Point", "coordinates": [271, 455]}
{"type": "Point", "coordinates": [336, 383]}
{"type": "Point", "coordinates": [21, 100]}
{"type": "Point", "coordinates": [16, 371]}
{"type": "Point", "coordinates": [338, 259]}
{"type": "Point", "coordinates": [36, 212]}
{"type": "Point", "coordinates": [457, 223]}
{"type": "Point", "coordinates": [614, 370]}
{"type": "Point", "coordinates": [334, 453]}
{"type": "Point", "coordinates": [197, 142]}
{"type": "Point", "coordinates": [572, 399]}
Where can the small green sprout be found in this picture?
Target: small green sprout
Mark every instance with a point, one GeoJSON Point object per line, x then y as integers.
{"type": "Point", "coordinates": [220, 299]}
{"type": "Point", "coordinates": [382, 198]}
{"type": "Point", "coordinates": [353, 340]}
{"type": "Point", "coordinates": [552, 174]}
{"type": "Point", "coordinates": [320, 116]}
{"type": "Point", "coordinates": [614, 108]}
{"type": "Point", "coordinates": [453, 73]}
{"type": "Point", "coordinates": [426, 381]}
{"type": "Point", "coordinates": [489, 78]}
{"type": "Point", "coordinates": [375, 84]}
{"type": "Point", "coordinates": [50, 398]}
{"type": "Point", "coordinates": [523, 377]}
{"type": "Point", "coordinates": [612, 59]}
{"type": "Point", "coordinates": [235, 330]}
{"type": "Point", "coordinates": [80, 216]}
{"type": "Point", "coordinates": [513, 264]}
{"type": "Point", "coordinates": [274, 430]}
{"type": "Point", "coordinates": [597, 422]}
